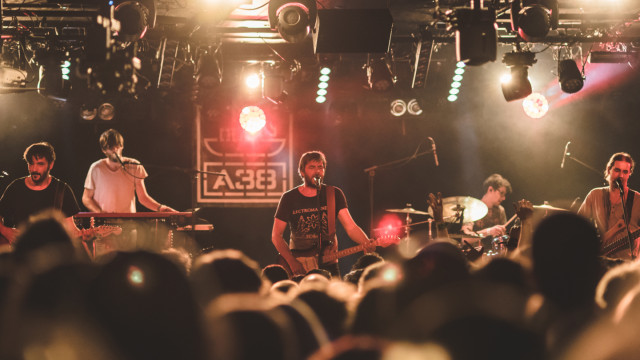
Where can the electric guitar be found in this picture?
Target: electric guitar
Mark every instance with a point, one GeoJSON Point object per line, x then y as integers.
{"type": "Point", "coordinates": [93, 233]}
{"type": "Point", "coordinates": [309, 258]}
{"type": "Point", "coordinates": [616, 239]}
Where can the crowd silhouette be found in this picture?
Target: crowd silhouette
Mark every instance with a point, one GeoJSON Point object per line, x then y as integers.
{"type": "Point", "coordinates": [556, 298]}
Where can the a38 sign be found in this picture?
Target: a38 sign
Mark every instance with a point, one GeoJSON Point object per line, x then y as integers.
{"type": "Point", "coordinates": [252, 181]}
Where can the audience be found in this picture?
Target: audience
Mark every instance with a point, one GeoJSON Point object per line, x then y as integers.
{"type": "Point", "coordinates": [553, 301]}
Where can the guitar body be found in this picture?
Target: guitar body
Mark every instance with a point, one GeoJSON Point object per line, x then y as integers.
{"type": "Point", "coordinates": [615, 241]}
{"type": "Point", "coordinates": [309, 258]}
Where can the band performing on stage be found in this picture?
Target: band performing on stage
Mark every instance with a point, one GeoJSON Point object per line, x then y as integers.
{"type": "Point", "coordinates": [471, 260]}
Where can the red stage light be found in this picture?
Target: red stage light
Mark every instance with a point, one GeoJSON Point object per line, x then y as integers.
{"type": "Point", "coordinates": [390, 225]}
{"type": "Point", "coordinates": [252, 119]}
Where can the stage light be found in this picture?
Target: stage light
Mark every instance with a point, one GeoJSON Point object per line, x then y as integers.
{"type": "Point", "coordinates": [253, 81]}
{"type": "Point", "coordinates": [252, 119]}
{"type": "Point", "coordinates": [611, 57]}
{"type": "Point", "coordinates": [535, 105]}
{"type": "Point", "coordinates": [52, 81]}
{"type": "Point", "coordinates": [106, 111]}
{"type": "Point", "coordinates": [454, 91]}
{"type": "Point", "coordinates": [379, 75]}
{"type": "Point", "coordinates": [452, 97]}
{"type": "Point", "coordinates": [398, 107]}
{"type": "Point", "coordinates": [518, 86]}
{"type": "Point", "coordinates": [88, 112]}
{"type": "Point", "coordinates": [208, 73]}
{"type": "Point", "coordinates": [532, 19]}
{"type": "Point", "coordinates": [292, 19]}
{"type": "Point", "coordinates": [569, 76]}
{"type": "Point", "coordinates": [413, 107]}
{"type": "Point", "coordinates": [135, 18]}
{"type": "Point", "coordinates": [323, 84]}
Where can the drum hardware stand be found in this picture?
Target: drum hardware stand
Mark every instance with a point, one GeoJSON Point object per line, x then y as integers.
{"type": "Point", "coordinates": [389, 165]}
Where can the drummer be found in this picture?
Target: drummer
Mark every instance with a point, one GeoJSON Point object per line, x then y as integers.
{"type": "Point", "coordinates": [496, 189]}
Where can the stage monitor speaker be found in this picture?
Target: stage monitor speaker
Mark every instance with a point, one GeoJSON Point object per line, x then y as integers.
{"type": "Point", "coordinates": [352, 31]}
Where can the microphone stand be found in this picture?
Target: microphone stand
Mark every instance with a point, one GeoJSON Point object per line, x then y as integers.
{"type": "Point", "coordinates": [193, 174]}
{"type": "Point", "coordinates": [320, 247]}
{"type": "Point", "coordinates": [625, 217]}
{"type": "Point", "coordinates": [372, 173]}
{"type": "Point", "coordinates": [569, 156]}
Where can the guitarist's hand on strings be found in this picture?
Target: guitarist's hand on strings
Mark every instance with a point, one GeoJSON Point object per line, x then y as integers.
{"type": "Point", "coordinates": [369, 246]}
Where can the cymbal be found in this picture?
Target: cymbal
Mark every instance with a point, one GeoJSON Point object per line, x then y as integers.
{"type": "Point", "coordinates": [408, 210]}
{"type": "Point", "coordinates": [548, 207]}
{"type": "Point", "coordinates": [472, 209]}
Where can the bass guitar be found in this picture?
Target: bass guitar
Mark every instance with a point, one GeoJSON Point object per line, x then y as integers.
{"type": "Point", "coordinates": [616, 239]}
{"type": "Point", "coordinates": [309, 258]}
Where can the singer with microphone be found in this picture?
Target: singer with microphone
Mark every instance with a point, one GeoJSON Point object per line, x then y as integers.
{"type": "Point", "coordinates": [607, 207]}
{"type": "Point", "coordinates": [310, 211]}
{"type": "Point", "coordinates": [113, 182]}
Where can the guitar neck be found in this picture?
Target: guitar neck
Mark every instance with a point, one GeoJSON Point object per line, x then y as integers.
{"type": "Point", "coordinates": [342, 253]}
{"type": "Point", "coordinates": [619, 243]}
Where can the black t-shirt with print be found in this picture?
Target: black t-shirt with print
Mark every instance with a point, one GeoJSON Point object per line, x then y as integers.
{"type": "Point", "coordinates": [301, 213]}
{"type": "Point", "coordinates": [19, 202]}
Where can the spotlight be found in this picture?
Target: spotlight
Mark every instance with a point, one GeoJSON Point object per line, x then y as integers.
{"type": "Point", "coordinates": [253, 81]}
{"type": "Point", "coordinates": [610, 57]}
{"type": "Point", "coordinates": [398, 107]}
{"type": "Point", "coordinates": [252, 119]}
{"type": "Point", "coordinates": [273, 87]}
{"type": "Point", "coordinates": [533, 19]}
{"type": "Point", "coordinates": [292, 19]}
{"type": "Point", "coordinates": [87, 112]}
{"type": "Point", "coordinates": [51, 79]}
{"type": "Point", "coordinates": [135, 18]}
{"type": "Point", "coordinates": [106, 111]}
{"type": "Point", "coordinates": [569, 76]}
{"type": "Point", "coordinates": [208, 74]}
{"type": "Point", "coordinates": [535, 105]}
{"type": "Point", "coordinates": [379, 75]}
{"type": "Point", "coordinates": [413, 107]}
{"type": "Point", "coordinates": [518, 86]}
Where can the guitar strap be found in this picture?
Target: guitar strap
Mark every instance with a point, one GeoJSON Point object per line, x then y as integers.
{"type": "Point", "coordinates": [331, 211]}
{"type": "Point", "coordinates": [628, 205]}
{"type": "Point", "coordinates": [59, 196]}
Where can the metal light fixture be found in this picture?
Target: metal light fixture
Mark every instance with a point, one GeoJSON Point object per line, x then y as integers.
{"type": "Point", "coordinates": [379, 75]}
{"type": "Point", "coordinates": [518, 86]}
{"type": "Point", "coordinates": [398, 107]}
{"type": "Point", "coordinates": [532, 19]}
{"type": "Point", "coordinates": [292, 19]}
{"type": "Point", "coordinates": [569, 76]}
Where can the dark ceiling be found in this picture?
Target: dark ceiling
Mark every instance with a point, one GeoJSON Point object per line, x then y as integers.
{"type": "Point", "coordinates": [238, 32]}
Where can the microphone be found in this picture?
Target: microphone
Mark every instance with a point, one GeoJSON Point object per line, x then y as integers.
{"type": "Point", "coordinates": [318, 181]}
{"type": "Point", "coordinates": [433, 148]}
{"type": "Point", "coordinates": [118, 158]}
{"type": "Point", "coordinates": [618, 183]}
{"type": "Point", "coordinates": [566, 151]}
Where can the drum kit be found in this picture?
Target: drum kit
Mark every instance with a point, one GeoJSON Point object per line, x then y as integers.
{"type": "Point", "coordinates": [464, 209]}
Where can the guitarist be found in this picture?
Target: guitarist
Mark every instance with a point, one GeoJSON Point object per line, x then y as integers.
{"type": "Point", "coordinates": [605, 206]}
{"type": "Point", "coordinates": [38, 191]}
{"type": "Point", "coordinates": [307, 222]}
